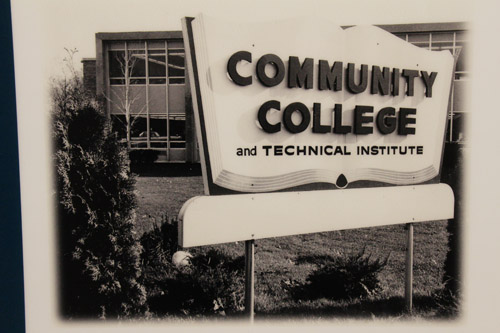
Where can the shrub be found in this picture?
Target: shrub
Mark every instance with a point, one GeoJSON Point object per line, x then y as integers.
{"type": "Point", "coordinates": [346, 276]}
{"type": "Point", "coordinates": [141, 157]}
{"type": "Point", "coordinates": [99, 253]}
{"type": "Point", "coordinates": [211, 285]}
{"type": "Point", "coordinates": [447, 303]}
{"type": "Point", "coordinates": [158, 245]}
{"type": "Point", "coordinates": [214, 283]}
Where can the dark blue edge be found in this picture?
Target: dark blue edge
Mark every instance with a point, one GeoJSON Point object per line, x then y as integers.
{"type": "Point", "coordinates": [12, 315]}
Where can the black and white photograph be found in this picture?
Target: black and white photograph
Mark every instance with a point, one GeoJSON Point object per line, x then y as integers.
{"type": "Point", "coordinates": [256, 164]}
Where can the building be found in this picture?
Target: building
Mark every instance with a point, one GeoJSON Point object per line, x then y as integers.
{"type": "Point", "coordinates": [142, 76]}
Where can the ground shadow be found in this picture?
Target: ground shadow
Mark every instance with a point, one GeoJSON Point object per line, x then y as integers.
{"type": "Point", "coordinates": [393, 307]}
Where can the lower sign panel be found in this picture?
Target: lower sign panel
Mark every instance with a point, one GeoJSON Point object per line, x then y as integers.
{"type": "Point", "coordinates": [207, 220]}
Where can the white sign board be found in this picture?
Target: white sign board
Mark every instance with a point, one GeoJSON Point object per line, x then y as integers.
{"type": "Point", "coordinates": [287, 103]}
{"type": "Point", "coordinates": [209, 220]}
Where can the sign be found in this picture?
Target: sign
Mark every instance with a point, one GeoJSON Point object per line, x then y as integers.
{"type": "Point", "coordinates": [289, 103]}
{"type": "Point", "coordinates": [217, 219]}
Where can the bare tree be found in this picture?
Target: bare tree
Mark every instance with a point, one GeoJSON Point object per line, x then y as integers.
{"type": "Point", "coordinates": [126, 102]}
{"type": "Point", "coordinates": [68, 88]}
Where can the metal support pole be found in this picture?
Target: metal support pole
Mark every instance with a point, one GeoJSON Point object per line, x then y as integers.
{"type": "Point", "coordinates": [409, 268]}
{"type": "Point", "coordinates": [249, 278]}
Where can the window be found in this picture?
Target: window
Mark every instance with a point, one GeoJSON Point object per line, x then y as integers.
{"type": "Point", "coordinates": [128, 60]}
{"type": "Point", "coordinates": [157, 67]}
{"type": "Point", "coordinates": [158, 131]}
{"type": "Point", "coordinates": [117, 67]}
{"type": "Point", "coordinates": [136, 63]}
{"type": "Point", "coordinates": [146, 80]}
{"type": "Point", "coordinates": [176, 66]}
{"type": "Point", "coordinates": [119, 126]}
{"type": "Point", "coordinates": [177, 131]}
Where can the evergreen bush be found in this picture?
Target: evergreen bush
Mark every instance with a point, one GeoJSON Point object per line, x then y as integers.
{"type": "Point", "coordinates": [159, 244]}
{"type": "Point", "coordinates": [99, 253]}
{"type": "Point", "coordinates": [346, 277]}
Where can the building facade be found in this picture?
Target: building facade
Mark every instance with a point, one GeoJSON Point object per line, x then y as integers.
{"type": "Point", "coordinates": [142, 78]}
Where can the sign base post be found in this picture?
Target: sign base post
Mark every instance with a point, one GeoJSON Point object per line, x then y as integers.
{"type": "Point", "coordinates": [409, 268]}
{"type": "Point", "coordinates": [250, 279]}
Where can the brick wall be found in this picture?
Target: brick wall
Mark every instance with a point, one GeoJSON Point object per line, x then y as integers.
{"type": "Point", "coordinates": [89, 75]}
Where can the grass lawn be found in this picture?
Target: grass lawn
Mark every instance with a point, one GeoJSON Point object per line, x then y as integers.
{"type": "Point", "coordinates": [163, 196]}
{"type": "Point", "coordinates": [283, 264]}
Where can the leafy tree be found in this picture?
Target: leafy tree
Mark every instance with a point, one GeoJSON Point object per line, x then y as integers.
{"type": "Point", "coordinates": [99, 252]}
